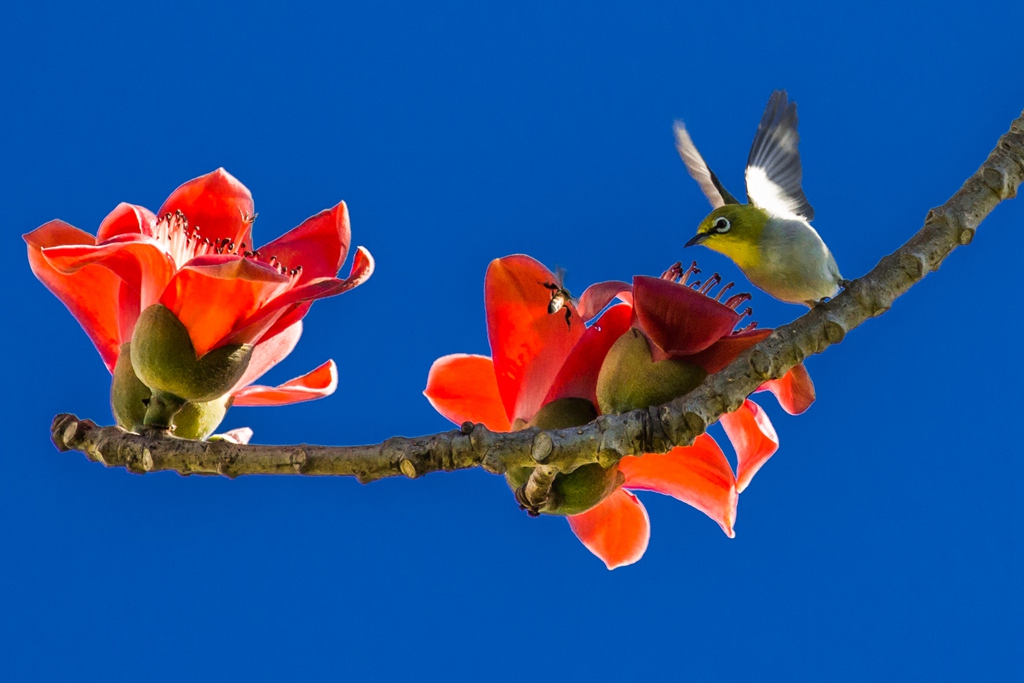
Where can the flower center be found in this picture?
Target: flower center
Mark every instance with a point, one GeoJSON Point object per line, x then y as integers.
{"type": "Point", "coordinates": [675, 273]}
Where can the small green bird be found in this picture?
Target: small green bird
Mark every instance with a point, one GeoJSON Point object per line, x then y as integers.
{"type": "Point", "coordinates": [770, 239]}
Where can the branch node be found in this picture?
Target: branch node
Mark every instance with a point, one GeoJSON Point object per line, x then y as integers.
{"type": "Point", "coordinates": [760, 363]}
{"type": "Point", "coordinates": [606, 457]}
{"type": "Point", "coordinates": [995, 180]}
{"type": "Point", "coordinates": [407, 468]}
{"type": "Point", "coordinates": [542, 447]}
{"type": "Point", "coordinates": [834, 331]}
{"type": "Point", "coordinates": [467, 428]}
{"type": "Point", "coordinates": [913, 265]}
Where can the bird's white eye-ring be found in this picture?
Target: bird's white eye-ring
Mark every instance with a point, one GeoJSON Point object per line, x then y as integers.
{"type": "Point", "coordinates": [721, 225]}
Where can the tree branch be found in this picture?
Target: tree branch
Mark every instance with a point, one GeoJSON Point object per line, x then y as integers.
{"type": "Point", "coordinates": [610, 437]}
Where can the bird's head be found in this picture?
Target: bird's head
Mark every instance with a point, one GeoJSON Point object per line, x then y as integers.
{"type": "Point", "coordinates": [733, 230]}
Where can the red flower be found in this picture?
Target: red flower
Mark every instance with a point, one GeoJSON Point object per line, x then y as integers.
{"type": "Point", "coordinates": [538, 358]}
{"type": "Point", "coordinates": [195, 257]}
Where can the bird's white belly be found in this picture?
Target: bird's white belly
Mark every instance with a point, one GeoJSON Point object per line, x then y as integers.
{"type": "Point", "coordinates": [796, 266]}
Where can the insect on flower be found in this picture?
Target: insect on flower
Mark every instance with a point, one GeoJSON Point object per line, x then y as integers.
{"type": "Point", "coordinates": [560, 296]}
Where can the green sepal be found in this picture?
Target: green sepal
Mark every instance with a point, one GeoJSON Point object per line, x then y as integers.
{"type": "Point", "coordinates": [164, 359]}
{"type": "Point", "coordinates": [630, 378]}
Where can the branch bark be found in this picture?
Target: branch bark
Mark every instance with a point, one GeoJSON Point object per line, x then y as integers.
{"type": "Point", "coordinates": [610, 437]}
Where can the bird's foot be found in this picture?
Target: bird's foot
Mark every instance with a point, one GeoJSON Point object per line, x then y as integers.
{"type": "Point", "coordinates": [845, 284]}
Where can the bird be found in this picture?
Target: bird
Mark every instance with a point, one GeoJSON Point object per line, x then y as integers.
{"type": "Point", "coordinates": [770, 238]}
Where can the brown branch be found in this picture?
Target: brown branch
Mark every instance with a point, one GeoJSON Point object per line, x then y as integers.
{"type": "Point", "coordinates": [654, 430]}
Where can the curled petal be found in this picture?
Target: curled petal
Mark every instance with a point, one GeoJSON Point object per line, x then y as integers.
{"type": "Point", "coordinates": [217, 204]}
{"type": "Point", "coordinates": [212, 294]}
{"type": "Point", "coordinates": [239, 436]}
{"type": "Point", "coordinates": [90, 294]}
{"type": "Point", "coordinates": [268, 353]}
{"type": "Point", "coordinates": [680, 320]}
{"type": "Point", "coordinates": [794, 390]}
{"type": "Point", "coordinates": [599, 295]}
{"type": "Point", "coordinates": [319, 245]}
{"type": "Point", "coordinates": [126, 219]}
{"type": "Point", "coordinates": [754, 439]}
{"type": "Point", "coordinates": [726, 349]}
{"type": "Point", "coordinates": [462, 387]}
{"type": "Point", "coordinates": [578, 375]}
{"type": "Point", "coordinates": [699, 475]}
{"type": "Point", "coordinates": [528, 344]}
{"type": "Point", "coordinates": [617, 529]}
{"type": "Point", "coordinates": [314, 384]}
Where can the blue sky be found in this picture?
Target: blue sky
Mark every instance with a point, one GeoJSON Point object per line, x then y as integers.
{"type": "Point", "coordinates": [883, 540]}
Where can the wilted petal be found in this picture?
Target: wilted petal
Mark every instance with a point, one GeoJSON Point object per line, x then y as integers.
{"type": "Point", "coordinates": [319, 244]}
{"type": "Point", "coordinates": [699, 475]}
{"type": "Point", "coordinates": [462, 387]}
{"type": "Point", "coordinates": [725, 350]}
{"type": "Point", "coordinates": [212, 294]}
{"type": "Point", "coordinates": [268, 353]}
{"type": "Point", "coordinates": [599, 295]}
{"type": "Point", "coordinates": [126, 219]}
{"type": "Point", "coordinates": [680, 320]}
{"type": "Point", "coordinates": [578, 376]}
{"type": "Point", "coordinates": [617, 529]}
{"type": "Point", "coordinates": [314, 384]}
{"type": "Point", "coordinates": [794, 390]}
{"type": "Point", "coordinates": [528, 344]}
{"type": "Point", "coordinates": [754, 439]}
{"type": "Point", "coordinates": [239, 436]}
{"type": "Point", "coordinates": [217, 204]}
{"type": "Point", "coordinates": [90, 294]}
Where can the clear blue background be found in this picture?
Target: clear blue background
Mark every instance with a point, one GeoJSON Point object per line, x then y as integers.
{"type": "Point", "coordinates": [882, 542]}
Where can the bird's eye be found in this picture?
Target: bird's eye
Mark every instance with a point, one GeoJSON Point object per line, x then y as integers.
{"type": "Point", "coordinates": [721, 225]}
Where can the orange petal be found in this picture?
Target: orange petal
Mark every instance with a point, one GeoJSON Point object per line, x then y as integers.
{"type": "Point", "coordinates": [212, 294]}
{"type": "Point", "coordinates": [268, 353]}
{"type": "Point", "coordinates": [794, 390]}
{"type": "Point", "coordinates": [699, 475]}
{"type": "Point", "coordinates": [90, 294]}
{"type": "Point", "coordinates": [616, 530]}
{"type": "Point", "coordinates": [578, 376]}
{"type": "Point", "coordinates": [217, 204]}
{"type": "Point", "coordinates": [462, 387]}
{"type": "Point", "coordinates": [754, 439]}
{"type": "Point", "coordinates": [528, 344]}
{"type": "Point", "coordinates": [314, 384]}
{"type": "Point", "coordinates": [319, 244]}
{"type": "Point", "coordinates": [126, 219]}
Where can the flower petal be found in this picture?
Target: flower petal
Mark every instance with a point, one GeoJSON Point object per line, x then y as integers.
{"type": "Point", "coordinates": [754, 439]}
{"type": "Point", "coordinates": [241, 435]}
{"type": "Point", "coordinates": [268, 353]}
{"type": "Point", "coordinates": [314, 384]}
{"type": "Point", "coordinates": [528, 344]}
{"type": "Point", "coordinates": [599, 295]}
{"type": "Point", "coordinates": [794, 390]}
{"type": "Point", "coordinates": [212, 294]}
{"type": "Point", "coordinates": [91, 294]}
{"type": "Point", "coordinates": [578, 375]}
{"type": "Point", "coordinates": [462, 387]}
{"type": "Point", "coordinates": [726, 349]}
{"type": "Point", "coordinates": [680, 320]}
{"type": "Point", "coordinates": [699, 475]}
{"type": "Point", "coordinates": [216, 204]}
{"type": "Point", "coordinates": [126, 219]}
{"type": "Point", "coordinates": [617, 529]}
{"type": "Point", "coordinates": [319, 244]}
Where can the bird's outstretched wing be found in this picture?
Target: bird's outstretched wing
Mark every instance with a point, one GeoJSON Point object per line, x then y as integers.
{"type": "Point", "coordinates": [773, 167]}
{"type": "Point", "coordinates": [705, 177]}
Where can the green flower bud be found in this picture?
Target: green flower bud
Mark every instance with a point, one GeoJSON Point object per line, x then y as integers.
{"type": "Point", "coordinates": [164, 359]}
{"type": "Point", "coordinates": [630, 379]}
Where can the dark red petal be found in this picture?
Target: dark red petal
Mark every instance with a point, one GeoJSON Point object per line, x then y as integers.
{"type": "Point", "coordinates": [597, 296]}
{"type": "Point", "coordinates": [91, 294]}
{"type": "Point", "coordinates": [288, 308]}
{"type": "Point", "coordinates": [126, 219]}
{"type": "Point", "coordinates": [794, 390]}
{"type": "Point", "coordinates": [726, 350]}
{"type": "Point", "coordinates": [754, 439]}
{"type": "Point", "coordinates": [462, 387]}
{"type": "Point", "coordinates": [268, 353]}
{"type": "Point", "coordinates": [680, 320]}
{"type": "Point", "coordinates": [699, 475]}
{"type": "Point", "coordinates": [217, 204]}
{"type": "Point", "coordinates": [140, 261]}
{"type": "Point", "coordinates": [578, 375]}
{"type": "Point", "coordinates": [314, 384]}
{"type": "Point", "coordinates": [617, 529]}
{"type": "Point", "coordinates": [212, 294]}
{"type": "Point", "coordinates": [319, 244]}
{"type": "Point", "coordinates": [528, 344]}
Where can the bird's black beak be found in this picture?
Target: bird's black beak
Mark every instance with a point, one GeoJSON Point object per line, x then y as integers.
{"type": "Point", "coordinates": [696, 239]}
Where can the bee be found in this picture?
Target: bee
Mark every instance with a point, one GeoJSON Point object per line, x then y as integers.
{"type": "Point", "coordinates": [560, 296]}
